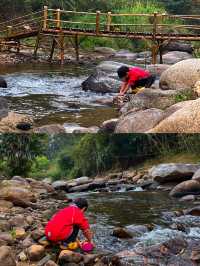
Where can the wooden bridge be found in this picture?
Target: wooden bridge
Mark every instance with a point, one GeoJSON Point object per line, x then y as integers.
{"type": "Point", "coordinates": [156, 29]}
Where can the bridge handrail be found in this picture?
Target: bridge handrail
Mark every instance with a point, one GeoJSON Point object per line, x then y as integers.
{"type": "Point", "coordinates": [14, 19]}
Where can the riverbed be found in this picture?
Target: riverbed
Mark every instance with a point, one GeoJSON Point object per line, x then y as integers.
{"type": "Point", "coordinates": [51, 94]}
{"type": "Point", "coordinates": [129, 209]}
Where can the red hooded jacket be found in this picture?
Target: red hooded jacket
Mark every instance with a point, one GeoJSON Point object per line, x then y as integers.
{"type": "Point", "coordinates": [60, 227]}
{"type": "Point", "coordinates": [135, 74]}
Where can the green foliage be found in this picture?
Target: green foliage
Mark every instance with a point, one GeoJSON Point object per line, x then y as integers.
{"type": "Point", "coordinates": [185, 95]}
{"type": "Point", "coordinates": [19, 151]}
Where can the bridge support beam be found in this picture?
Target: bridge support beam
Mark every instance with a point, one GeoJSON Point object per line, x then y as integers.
{"type": "Point", "coordinates": [62, 48]}
{"type": "Point", "coordinates": [52, 50]}
{"type": "Point", "coordinates": [77, 47]}
{"type": "Point", "coordinates": [36, 46]}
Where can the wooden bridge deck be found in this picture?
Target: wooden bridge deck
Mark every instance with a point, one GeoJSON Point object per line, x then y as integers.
{"type": "Point", "coordinates": [157, 28]}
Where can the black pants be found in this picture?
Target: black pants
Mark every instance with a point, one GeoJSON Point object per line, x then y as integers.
{"type": "Point", "coordinates": [145, 82]}
{"type": "Point", "coordinates": [73, 236]}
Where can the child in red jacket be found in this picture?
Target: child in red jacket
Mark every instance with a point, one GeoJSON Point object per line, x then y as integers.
{"type": "Point", "coordinates": [134, 78]}
{"type": "Point", "coordinates": [64, 225]}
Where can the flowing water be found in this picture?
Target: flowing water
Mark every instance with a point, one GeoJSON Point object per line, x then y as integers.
{"type": "Point", "coordinates": [129, 209]}
{"type": "Point", "coordinates": [53, 94]}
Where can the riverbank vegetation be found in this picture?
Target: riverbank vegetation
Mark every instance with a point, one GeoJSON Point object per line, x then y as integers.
{"type": "Point", "coordinates": [71, 156]}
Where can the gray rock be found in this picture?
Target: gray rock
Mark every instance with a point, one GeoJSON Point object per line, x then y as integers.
{"type": "Point", "coordinates": [178, 46]}
{"type": "Point", "coordinates": [6, 256]}
{"type": "Point", "coordinates": [3, 107]}
{"type": "Point", "coordinates": [177, 172]}
{"type": "Point", "coordinates": [60, 185]}
{"type": "Point", "coordinates": [105, 50]}
{"type": "Point", "coordinates": [139, 122]}
{"type": "Point", "coordinates": [111, 67]}
{"type": "Point", "coordinates": [3, 83]}
{"type": "Point", "coordinates": [126, 54]}
{"type": "Point", "coordinates": [174, 57]}
{"type": "Point", "coordinates": [82, 180]}
{"type": "Point", "coordinates": [182, 75]}
{"type": "Point", "coordinates": [196, 175]}
{"type": "Point", "coordinates": [109, 126]}
{"type": "Point", "coordinates": [190, 187]}
{"type": "Point", "coordinates": [50, 129]}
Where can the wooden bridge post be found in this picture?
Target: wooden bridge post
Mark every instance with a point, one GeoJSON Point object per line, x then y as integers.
{"type": "Point", "coordinates": [98, 13]}
{"type": "Point", "coordinates": [45, 21]}
{"type": "Point", "coordinates": [109, 21]}
{"type": "Point", "coordinates": [9, 31]}
{"type": "Point", "coordinates": [58, 18]}
{"type": "Point", "coordinates": [154, 46]}
{"type": "Point", "coordinates": [62, 48]}
{"type": "Point", "coordinates": [77, 47]}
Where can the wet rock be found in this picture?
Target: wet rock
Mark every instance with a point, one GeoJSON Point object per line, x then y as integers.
{"type": "Point", "coordinates": [187, 198]}
{"type": "Point", "coordinates": [82, 180]}
{"type": "Point", "coordinates": [186, 188]}
{"type": "Point", "coordinates": [139, 122]}
{"type": "Point", "coordinates": [194, 211]}
{"type": "Point", "coordinates": [121, 232]}
{"type": "Point", "coordinates": [4, 225]}
{"type": "Point", "coordinates": [178, 172]}
{"type": "Point", "coordinates": [109, 260]}
{"type": "Point", "coordinates": [174, 57]}
{"type": "Point", "coordinates": [50, 129]}
{"type": "Point", "coordinates": [109, 126]}
{"type": "Point", "coordinates": [3, 106]}
{"type": "Point", "coordinates": [126, 54]}
{"type": "Point", "coordinates": [6, 256]}
{"type": "Point", "coordinates": [35, 252]}
{"type": "Point", "coordinates": [60, 185]}
{"type": "Point", "coordinates": [83, 130]}
{"type": "Point", "coordinates": [18, 220]}
{"type": "Point", "coordinates": [101, 82]}
{"type": "Point", "coordinates": [178, 46]}
{"type": "Point", "coordinates": [195, 256]}
{"type": "Point", "coordinates": [182, 75]}
{"type": "Point", "coordinates": [67, 256]}
{"type": "Point", "coordinates": [27, 242]}
{"type": "Point", "coordinates": [196, 175]}
{"type": "Point", "coordinates": [105, 50]}
{"type": "Point", "coordinates": [3, 83]}
{"type": "Point", "coordinates": [137, 230]}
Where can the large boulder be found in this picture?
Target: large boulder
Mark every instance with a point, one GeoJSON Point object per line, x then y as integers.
{"type": "Point", "coordinates": [170, 172]}
{"type": "Point", "coordinates": [109, 126]}
{"type": "Point", "coordinates": [3, 83]}
{"type": "Point", "coordinates": [13, 122]}
{"type": "Point", "coordinates": [3, 107]}
{"type": "Point", "coordinates": [178, 46]}
{"type": "Point", "coordinates": [7, 257]}
{"type": "Point", "coordinates": [157, 69]}
{"type": "Point", "coordinates": [139, 122]}
{"type": "Point", "coordinates": [185, 120]}
{"type": "Point", "coordinates": [151, 98]}
{"type": "Point", "coordinates": [17, 193]}
{"type": "Point", "coordinates": [102, 82]}
{"type": "Point", "coordinates": [174, 57]}
{"type": "Point", "coordinates": [182, 75]}
{"type": "Point", "coordinates": [190, 187]}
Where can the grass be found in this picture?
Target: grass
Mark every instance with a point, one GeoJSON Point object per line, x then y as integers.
{"type": "Point", "coordinates": [185, 95]}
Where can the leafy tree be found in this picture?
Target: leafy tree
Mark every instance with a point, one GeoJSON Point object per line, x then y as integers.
{"type": "Point", "coordinates": [19, 151]}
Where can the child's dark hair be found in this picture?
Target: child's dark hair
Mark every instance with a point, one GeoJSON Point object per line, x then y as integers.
{"type": "Point", "coordinates": [122, 71]}
{"type": "Point", "coordinates": [81, 203]}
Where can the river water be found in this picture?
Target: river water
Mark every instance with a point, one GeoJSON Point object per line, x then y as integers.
{"type": "Point", "coordinates": [129, 209]}
{"type": "Point", "coordinates": [53, 94]}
